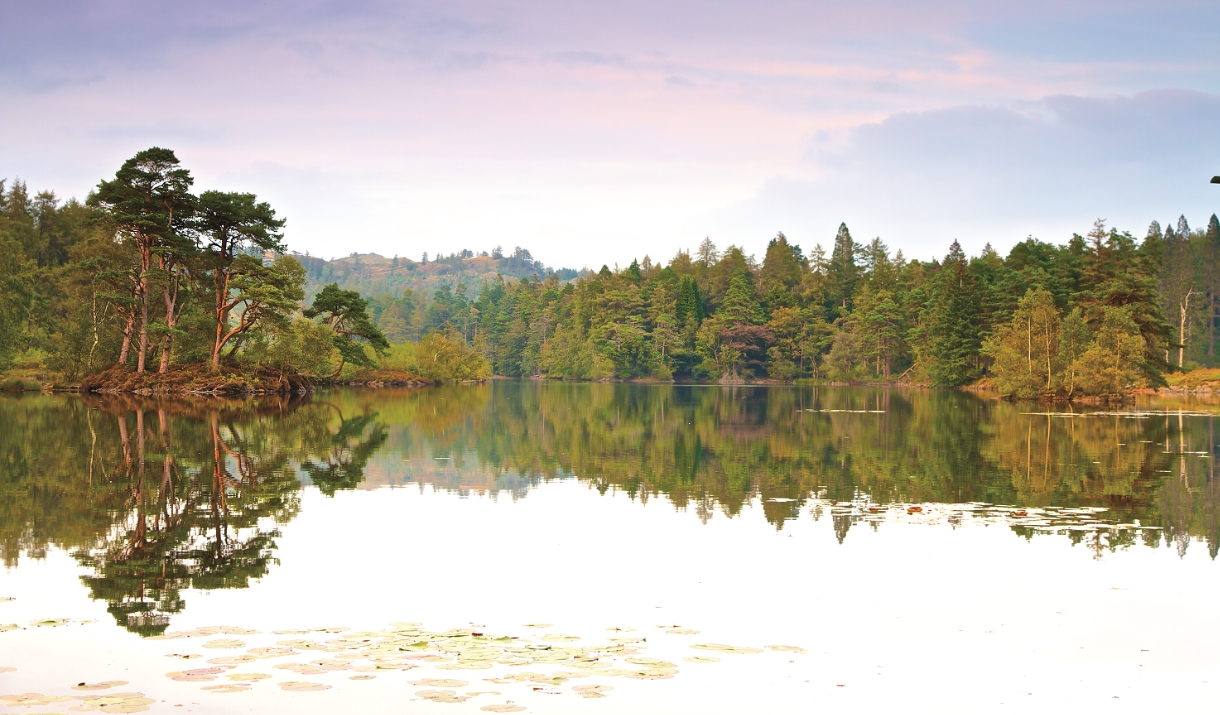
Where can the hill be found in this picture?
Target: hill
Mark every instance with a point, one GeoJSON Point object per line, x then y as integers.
{"type": "Point", "coordinates": [374, 275]}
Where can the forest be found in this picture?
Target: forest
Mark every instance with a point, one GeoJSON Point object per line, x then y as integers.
{"type": "Point", "coordinates": [1098, 315]}
{"type": "Point", "coordinates": [145, 276]}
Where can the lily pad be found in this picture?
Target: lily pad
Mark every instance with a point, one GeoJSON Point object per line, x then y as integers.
{"type": "Point", "coordinates": [183, 656]}
{"type": "Point", "coordinates": [51, 622]}
{"type": "Point", "coordinates": [683, 631]}
{"type": "Point", "coordinates": [247, 677]}
{"type": "Point", "coordinates": [105, 685]}
{"type": "Point", "coordinates": [701, 659]}
{"type": "Point", "coordinates": [559, 638]}
{"type": "Point", "coordinates": [225, 643]}
{"type": "Point", "coordinates": [8, 627]}
{"type": "Point", "coordinates": [439, 683]}
{"type": "Point", "coordinates": [787, 648]}
{"type": "Point", "coordinates": [537, 625]}
{"type": "Point", "coordinates": [227, 688]}
{"type": "Point", "coordinates": [650, 662]}
{"type": "Point", "coordinates": [362, 677]}
{"type": "Point", "coordinates": [6, 669]}
{"type": "Point", "coordinates": [232, 660]}
{"type": "Point", "coordinates": [592, 688]}
{"type": "Point", "coordinates": [503, 708]}
{"type": "Point", "coordinates": [722, 648]}
{"type": "Point", "coordinates": [302, 686]}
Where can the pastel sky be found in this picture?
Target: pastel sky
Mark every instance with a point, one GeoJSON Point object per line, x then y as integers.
{"type": "Point", "coordinates": [595, 132]}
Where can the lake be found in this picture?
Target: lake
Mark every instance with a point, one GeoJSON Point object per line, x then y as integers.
{"type": "Point", "coordinates": [545, 547]}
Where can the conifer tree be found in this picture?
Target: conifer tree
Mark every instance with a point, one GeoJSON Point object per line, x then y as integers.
{"type": "Point", "coordinates": [953, 333]}
{"type": "Point", "coordinates": [842, 273]}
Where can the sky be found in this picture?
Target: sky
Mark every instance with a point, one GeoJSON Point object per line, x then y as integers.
{"type": "Point", "coordinates": [596, 132]}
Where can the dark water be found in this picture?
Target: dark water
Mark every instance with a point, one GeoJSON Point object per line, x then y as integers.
{"type": "Point", "coordinates": [156, 502]}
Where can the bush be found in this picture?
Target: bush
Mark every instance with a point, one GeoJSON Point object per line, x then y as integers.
{"type": "Point", "coordinates": [437, 358]}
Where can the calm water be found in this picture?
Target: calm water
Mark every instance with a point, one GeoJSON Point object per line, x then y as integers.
{"type": "Point", "coordinates": [928, 550]}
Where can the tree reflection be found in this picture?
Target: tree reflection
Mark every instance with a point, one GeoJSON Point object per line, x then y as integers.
{"type": "Point", "coordinates": [719, 449]}
{"type": "Point", "coordinates": [174, 495]}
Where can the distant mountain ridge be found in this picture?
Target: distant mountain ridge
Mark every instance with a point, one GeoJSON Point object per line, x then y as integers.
{"type": "Point", "coordinates": [374, 275]}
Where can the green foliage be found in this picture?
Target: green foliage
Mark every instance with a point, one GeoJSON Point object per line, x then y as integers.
{"type": "Point", "coordinates": [437, 358]}
{"type": "Point", "coordinates": [346, 314]}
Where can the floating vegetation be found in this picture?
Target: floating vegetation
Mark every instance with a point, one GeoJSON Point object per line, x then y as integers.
{"type": "Point", "coordinates": [439, 683]}
{"type": "Point", "coordinates": [105, 685]}
{"type": "Point", "coordinates": [204, 632]}
{"type": "Point", "coordinates": [557, 659]}
{"type": "Point", "coordinates": [303, 686]}
{"type": "Point", "coordinates": [109, 703]}
{"type": "Point", "coordinates": [6, 669]}
{"type": "Point", "coordinates": [787, 648]}
{"type": "Point", "coordinates": [228, 688]}
{"type": "Point", "coordinates": [51, 622]}
{"type": "Point", "coordinates": [722, 648]}
{"type": "Point", "coordinates": [8, 627]}
{"type": "Point", "coordinates": [683, 631]}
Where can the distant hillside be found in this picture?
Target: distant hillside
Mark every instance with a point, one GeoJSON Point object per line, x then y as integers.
{"type": "Point", "coordinates": [374, 275]}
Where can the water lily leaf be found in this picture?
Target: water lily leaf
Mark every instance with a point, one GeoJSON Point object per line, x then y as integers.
{"type": "Point", "coordinates": [302, 686]}
{"type": "Point", "coordinates": [722, 648]}
{"type": "Point", "coordinates": [247, 677]}
{"type": "Point", "coordinates": [787, 648]}
{"type": "Point", "coordinates": [361, 677]}
{"type": "Point", "coordinates": [537, 625]}
{"type": "Point", "coordinates": [465, 665]}
{"type": "Point", "coordinates": [225, 643]}
{"type": "Point", "coordinates": [559, 638]}
{"type": "Point", "coordinates": [51, 622]}
{"type": "Point", "coordinates": [183, 656]}
{"type": "Point", "coordinates": [652, 674]}
{"type": "Point", "coordinates": [8, 627]}
{"type": "Point", "coordinates": [6, 669]}
{"type": "Point", "coordinates": [503, 708]}
{"type": "Point", "coordinates": [232, 660]}
{"type": "Point", "coordinates": [651, 662]}
{"type": "Point", "coordinates": [227, 688]}
{"type": "Point", "coordinates": [701, 659]}
{"type": "Point", "coordinates": [439, 683]}
{"type": "Point", "coordinates": [683, 631]}
{"type": "Point", "coordinates": [592, 688]}
{"type": "Point", "coordinates": [99, 686]}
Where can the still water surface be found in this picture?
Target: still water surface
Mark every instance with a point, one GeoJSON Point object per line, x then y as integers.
{"type": "Point", "coordinates": [932, 551]}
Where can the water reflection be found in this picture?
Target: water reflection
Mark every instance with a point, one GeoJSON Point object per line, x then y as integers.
{"type": "Point", "coordinates": [158, 496]}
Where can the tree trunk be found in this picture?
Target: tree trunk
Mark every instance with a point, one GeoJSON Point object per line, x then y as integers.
{"type": "Point", "coordinates": [222, 315]}
{"type": "Point", "coordinates": [171, 322]}
{"type": "Point", "coordinates": [145, 265]}
{"type": "Point", "coordinates": [1211, 326]}
{"type": "Point", "coordinates": [128, 328]}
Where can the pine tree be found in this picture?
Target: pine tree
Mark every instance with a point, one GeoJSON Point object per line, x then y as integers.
{"type": "Point", "coordinates": [953, 333]}
{"type": "Point", "coordinates": [842, 273]}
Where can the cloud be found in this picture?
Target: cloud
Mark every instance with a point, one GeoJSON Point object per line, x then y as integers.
{"type": "Point", "coordinates": [997, 174]}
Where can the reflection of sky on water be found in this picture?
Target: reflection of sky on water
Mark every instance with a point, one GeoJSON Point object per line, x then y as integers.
{"type": "Point", "coordinates": [958, 618]}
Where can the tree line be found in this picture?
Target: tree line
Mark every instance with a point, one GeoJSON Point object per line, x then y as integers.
{"type": "Point", "coordinates": [146, 275]}
{"type": "Point", "coordinates": [1094, 316]}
